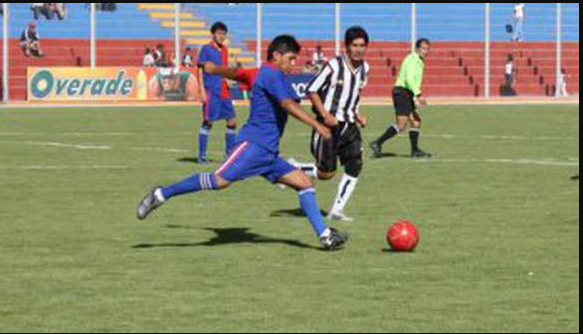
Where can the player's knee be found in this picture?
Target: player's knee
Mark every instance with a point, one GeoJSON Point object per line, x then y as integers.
{"type": "Point", "coordinates": [232, 124]}
{"type": "Point", "coordinates": [354, 167]}
{"type": "Point", "coordinates": [402, 125]}
{"type": "Point", "coordinates": [305, 182]}
{"type": "Point", "coordinates": [325, 176]}
{"type": "Point", "coordinates": [207, 125]}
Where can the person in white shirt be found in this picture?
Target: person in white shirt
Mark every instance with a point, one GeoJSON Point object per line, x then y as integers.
{"type": "Point", "coordinates": [510, 72]}
{"type": "Point", "coordinates": [519, 17]}
{"type": "Point", "coordinates": [562, 89]}
{"type": "Point", "coordinates": [149, 60]}
{"type": "Point", "coordinates": [319, 59]}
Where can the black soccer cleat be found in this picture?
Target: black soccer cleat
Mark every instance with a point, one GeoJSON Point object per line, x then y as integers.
{"type": "Point", "coordinates": [334, 241]}
{"type": "Point", "coordinates": [149, 204]}
{"type": "Point", "coordinates": [420, 154]}
{"type": "Point", "coordinates": [377, 150]}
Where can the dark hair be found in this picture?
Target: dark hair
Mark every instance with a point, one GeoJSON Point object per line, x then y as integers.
{"type": "Point", "coordinates": [283, 44]}
{"type": "Point", "coordinates": [422, 41]}
{"type": "Point", "coordinates": [148, 51]}
{"type": "Point", "coordinates": [510, 57]}
{"type": "Point", "coordinates": [219, 26]}
{"type": "Point", "coordinates": [354, 33]}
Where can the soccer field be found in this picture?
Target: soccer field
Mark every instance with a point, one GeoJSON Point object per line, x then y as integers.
{"type": "Point", "coordinates": [496, 207]}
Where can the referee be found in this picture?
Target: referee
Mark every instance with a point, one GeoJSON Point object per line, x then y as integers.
{"type": "Point", "coordinates": [407, 97]}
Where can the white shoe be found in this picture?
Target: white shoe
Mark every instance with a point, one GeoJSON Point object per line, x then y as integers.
{"type": "Point", "coordinates": [340, 216]}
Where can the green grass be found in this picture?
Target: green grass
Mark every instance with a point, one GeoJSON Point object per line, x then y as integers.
{"type": "Point", "coordinates": [498, 213]}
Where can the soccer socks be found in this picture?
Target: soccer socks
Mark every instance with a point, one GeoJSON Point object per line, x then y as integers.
{"type": "Point", "coordinates": [388, 135]}
{"type": "Point", "coordinates": [345, 191]}
{"type": "Point", "coordinates": [203, 141]}
{"type": "Point", "coordinates": [230, 140]}
{"type": "Point", "coordinates": [312, 210]}
{"type": "Point", "coordinates": [414, 134]}
{"type": "Point", "coordinates": [194, 184]}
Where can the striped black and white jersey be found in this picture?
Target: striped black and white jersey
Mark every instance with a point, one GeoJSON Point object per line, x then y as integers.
{"type": "Point", "coordinates": [340, 87]}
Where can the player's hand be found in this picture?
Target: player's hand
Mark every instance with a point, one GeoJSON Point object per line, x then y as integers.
{"type": "Point", "coordinates": [420, 101]}
{"type": "Point", "coordinates": [324, 131]}
{"type": "Point", "coordinates": [330, 120]}
{"type": "Point", "coordinates": [362, 120]}
{"type": "Point", "coordinates": [209, 67]}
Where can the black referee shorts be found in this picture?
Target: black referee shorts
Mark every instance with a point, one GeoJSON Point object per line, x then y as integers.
{"type": "Point", "coordinates": [404, 101]}
{"type": "Point", "coordinates": [345, 145]}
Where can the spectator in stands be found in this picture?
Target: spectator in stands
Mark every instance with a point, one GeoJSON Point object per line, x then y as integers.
{"type": "Point", "coordinates": [60, 10]}
{"type": "Point", "coordinates": [510, 72]}
{"type": "Point", "coordinates": [160, 56]}
{"type": "Point", "coordinates": [187, 59]}
{"type": "Point", "coordinates": [319, 59]}
{"type": "Point", "coordinates": [41, 9]}
{"type": "Point", "coordinates": [519, 17]}
{"type": "Point", "coordinates": [562, 89]}
{"type": "Point", "coordinates": [30, 41]}
{"type": "Point", "coordinates": [149, 60]}
{"type": "Point", "coordinates": [107, 7]}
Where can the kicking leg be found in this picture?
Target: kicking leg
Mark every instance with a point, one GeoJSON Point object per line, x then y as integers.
{"type": "Point", "coordinates": [197, 183]}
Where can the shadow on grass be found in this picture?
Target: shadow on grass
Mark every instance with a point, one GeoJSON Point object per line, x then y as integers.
{"type": "Point", "coordinates": [392, 155]}
{"type": "Point", "coordinates": [228, 236]}
{"type": "Point", "coordinates": [191, 160]}
{"type": "Point", "coordinates": [575, 178]}
{"type": "Point", "coordinates": [392, 251]}
{"type": "Point", "coordinates": [298, 213]}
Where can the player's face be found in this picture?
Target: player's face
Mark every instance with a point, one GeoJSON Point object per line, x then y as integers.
{"type": "Point", "coordinates": [220, 37]}
{"type": "Point", "coordinates": [286, 62]}
{"type": "Point", "coordinates": [357, 50]}
{"type": "Point", "coordinates": [424, 50]}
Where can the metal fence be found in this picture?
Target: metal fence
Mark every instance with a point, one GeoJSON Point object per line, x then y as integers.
{"type": "Point", "coordinates": [471, 51]}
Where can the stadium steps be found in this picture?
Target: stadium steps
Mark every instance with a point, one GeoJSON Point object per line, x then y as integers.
{"type": "Point", "coordinates": [194, 29]}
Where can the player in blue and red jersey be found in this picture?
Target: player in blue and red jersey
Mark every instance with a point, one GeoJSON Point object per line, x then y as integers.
{"type": "Point", "coordinates": [257, 149]}
{"type": "Point", "coordinates": [217, 103]}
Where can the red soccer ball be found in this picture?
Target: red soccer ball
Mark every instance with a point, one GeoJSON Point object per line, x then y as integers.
{"type": "Point", "coordinates": [403, 236]}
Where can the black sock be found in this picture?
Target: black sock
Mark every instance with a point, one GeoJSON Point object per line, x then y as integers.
{"type": "Point", "coordinates": [388, 135]}
{"type": "Point", "coordinates": [414, 135]}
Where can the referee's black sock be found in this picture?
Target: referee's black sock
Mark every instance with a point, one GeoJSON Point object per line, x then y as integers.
{"type": "Point", "coordinates": [388, 135]}
{"type": "Point", "coordinates": [414, 134]}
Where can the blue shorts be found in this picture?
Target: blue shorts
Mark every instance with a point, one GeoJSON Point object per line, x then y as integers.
{"type": "Point", "coordinates": [250, 160]}
{"type": "Point", "coordinates": [217, 108]}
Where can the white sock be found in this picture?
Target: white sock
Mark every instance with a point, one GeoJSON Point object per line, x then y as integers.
{"type": "Point", "coordinates": [345, 191]}
{"type": "Point", "coordinates": [326, 233]}
{"type": "Point", "coordinates": [310, 169]}
{"type": "Point", "coordinates": [159, 195]}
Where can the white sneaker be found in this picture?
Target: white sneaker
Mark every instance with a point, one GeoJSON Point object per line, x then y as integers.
{"type": "Point", "coordinates": [340, 216]}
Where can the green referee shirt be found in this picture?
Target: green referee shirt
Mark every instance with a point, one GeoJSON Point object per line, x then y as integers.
{"type": "Point", "coordinates": [411, 74]}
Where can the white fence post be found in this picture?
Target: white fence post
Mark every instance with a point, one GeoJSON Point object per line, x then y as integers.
{"type": "Point", "coordinates": [259, 31]}
{"type": "Point", "coordinates": [93, 42]}
{"type": "Point", "coordinates": [487, 60]}
{"type": "Point", "coordinates": [558, 83]}
{"type": "Point", "coordinates": [338, 32]}
{"type": "Point", "coordinates": [177, 30]}
{"type": "Point", "coordinates": [6, 51]}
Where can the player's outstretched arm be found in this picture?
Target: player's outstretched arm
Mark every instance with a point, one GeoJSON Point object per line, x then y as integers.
{"type": "Point", "coordinates": [294, 109]}
{"type": "Point", "coordinates": [225, 72]}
